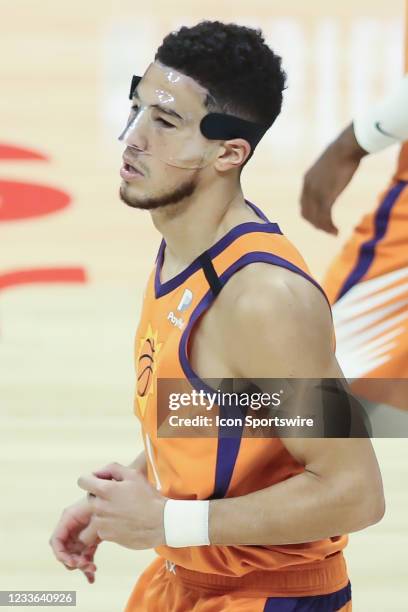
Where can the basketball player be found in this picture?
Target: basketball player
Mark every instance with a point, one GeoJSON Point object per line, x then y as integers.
{"type": "Point", "coordinates": [367, 282]}
{"type": "Point", "coordinates": [243, 524]}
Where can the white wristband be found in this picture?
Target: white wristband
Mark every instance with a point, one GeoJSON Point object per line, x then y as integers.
{"type": "Point", "coordinates": [386, 122]}
{"type": "Point", "coordinates": [186, 523]}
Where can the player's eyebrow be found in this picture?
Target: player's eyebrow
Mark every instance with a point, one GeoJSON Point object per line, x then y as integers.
{"type": "Point", "coordinates": [162, 109]}
{"type": "Point", "coordinates": [167, 111]}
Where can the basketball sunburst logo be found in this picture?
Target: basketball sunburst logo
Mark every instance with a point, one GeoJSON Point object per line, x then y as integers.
{"type": "Point", "coordinates": [149, 348]}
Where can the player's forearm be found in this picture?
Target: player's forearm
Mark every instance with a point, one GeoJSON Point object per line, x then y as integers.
{"type": "Point", "coordinates": [346, 146]}
{"type": "Point", "coordinates": [301, 509]}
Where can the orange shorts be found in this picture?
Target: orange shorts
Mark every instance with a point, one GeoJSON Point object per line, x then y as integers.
{"type": "Point", "coordinates": [159, 589]}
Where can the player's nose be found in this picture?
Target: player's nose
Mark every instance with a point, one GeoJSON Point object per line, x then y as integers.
{"type": "Point", "coordinates": [135, 132]}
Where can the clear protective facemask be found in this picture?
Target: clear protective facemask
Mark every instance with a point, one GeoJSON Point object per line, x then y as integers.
{"type": "Point", "coordinates": [164, 120]}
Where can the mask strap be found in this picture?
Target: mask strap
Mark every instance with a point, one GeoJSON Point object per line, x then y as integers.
{"type": "Point", "coordinates": [220, 126]}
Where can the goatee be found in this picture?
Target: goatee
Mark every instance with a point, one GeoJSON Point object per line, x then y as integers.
{"type": "Point", "coordinates": [185, 190]}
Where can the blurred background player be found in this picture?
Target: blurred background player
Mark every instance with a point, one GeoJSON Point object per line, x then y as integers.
{"type": "Point", "coordinates": [243, 524]}
{"type": "Point", "coordinates": [367, 283]}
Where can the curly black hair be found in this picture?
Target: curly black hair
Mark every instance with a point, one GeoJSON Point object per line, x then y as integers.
{"type": "Point", "coordinates": [233, 63]}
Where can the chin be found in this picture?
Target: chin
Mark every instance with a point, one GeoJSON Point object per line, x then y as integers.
{"type": "Point", "coordinates": [132, 191]}
{"type": "Point", "coordinates": [126, 196]}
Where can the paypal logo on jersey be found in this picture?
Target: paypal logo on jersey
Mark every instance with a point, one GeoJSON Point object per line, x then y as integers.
{"type": "Point", "coordinates": [184, 303]}
{"type": "Point", "coordinates": [177, 322]}
{"type": "Point", "coordinates": [185, 300]}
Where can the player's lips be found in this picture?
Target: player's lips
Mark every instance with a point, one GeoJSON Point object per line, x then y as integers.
{"type": "Point", "coordinates": [129, 171]}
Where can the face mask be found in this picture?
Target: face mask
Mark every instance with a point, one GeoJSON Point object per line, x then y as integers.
{"type": "Point", "coordinates": [164, 120]}
{"type": "Point", "coordinates": [169, 122]}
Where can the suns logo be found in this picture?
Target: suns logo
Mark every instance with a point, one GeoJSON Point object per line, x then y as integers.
{"type": "Point", "coordinates": [149, 348]}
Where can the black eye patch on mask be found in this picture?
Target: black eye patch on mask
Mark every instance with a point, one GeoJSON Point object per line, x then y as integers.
{"type": "Point", "coordinates": [221, 126]}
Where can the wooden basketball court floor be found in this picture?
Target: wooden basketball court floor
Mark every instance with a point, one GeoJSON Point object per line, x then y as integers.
{"type": "Point", "coordinates": [66, 348]}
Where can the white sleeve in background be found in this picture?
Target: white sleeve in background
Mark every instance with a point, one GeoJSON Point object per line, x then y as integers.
{"type": "Point", "coordinates": [386, 122]}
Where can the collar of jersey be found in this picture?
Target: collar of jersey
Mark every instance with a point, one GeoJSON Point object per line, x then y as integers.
{"type": "Point", "coordinates": [221, 244]}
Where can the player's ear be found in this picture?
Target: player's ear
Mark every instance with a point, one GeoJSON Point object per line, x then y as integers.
{"type": "Point", "coordinates": [233, 154]}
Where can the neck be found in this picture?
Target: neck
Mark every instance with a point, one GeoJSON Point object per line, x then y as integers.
{"type": "Point", "coordinates": [193, 225]}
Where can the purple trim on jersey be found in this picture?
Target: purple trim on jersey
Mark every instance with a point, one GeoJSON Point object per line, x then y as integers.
{"type": "Point", "coordinates": [314, 603]}
{"type": "Point", "coordinates": [276, 260]}
{"type": "Point", "coordinates": [228, 447]}
{"type": "Point", "coordinates": [367, 249]}
{"type": "Point", "coordinates": [241, 229]}
{"type": "Point", "coordinates": [227, 453]}
{"type": "Point", "coordinates": [258, 211]}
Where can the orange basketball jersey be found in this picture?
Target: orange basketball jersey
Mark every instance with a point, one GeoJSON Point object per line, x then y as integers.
{"type": "Point", "coordinates": [216, 467]}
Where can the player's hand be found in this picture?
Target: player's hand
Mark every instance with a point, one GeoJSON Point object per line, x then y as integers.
{"type": "Point", "coordinates": [65, 542]}
{"type": "Point", "coordinates": [327, 179]}
{"type": "Point", "coordinates": [87, 536]}
{"type": "Point", "coordinates": [127, 509]}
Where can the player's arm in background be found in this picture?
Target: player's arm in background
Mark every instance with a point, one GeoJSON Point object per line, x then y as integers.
{"type": "Point", "coordinates": [286, 332]}
{"type": "Point", "coordinates": [380, 126]}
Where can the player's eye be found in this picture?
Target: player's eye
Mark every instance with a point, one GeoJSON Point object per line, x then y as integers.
{"type": "Point", "coordinates": [165, 123]}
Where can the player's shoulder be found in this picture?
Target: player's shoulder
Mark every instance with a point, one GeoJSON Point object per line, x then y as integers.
{"type": "Point", "coordinates": [262, 287]}
{"type": "Point", "coordinates": [273, 318]}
